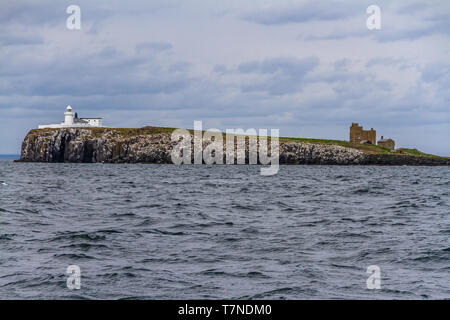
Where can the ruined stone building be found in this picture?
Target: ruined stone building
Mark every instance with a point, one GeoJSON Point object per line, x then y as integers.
{"type": "Point", "coordinates": [359, 135]}
{"type": "Point", "coordinates": [387, 143]}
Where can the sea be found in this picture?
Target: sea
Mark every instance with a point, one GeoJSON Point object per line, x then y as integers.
{"type": "Point", "coordinates": [148, 231]}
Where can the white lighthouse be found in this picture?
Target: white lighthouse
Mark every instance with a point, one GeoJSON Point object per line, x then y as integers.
{"type": "Point", "coordinates": [68, 116]}
{"type": "Point", "coordinates": [71, 120]}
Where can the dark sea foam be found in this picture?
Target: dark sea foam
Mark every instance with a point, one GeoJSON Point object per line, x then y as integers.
{"type": "Point", "coordinates": [182, 232]}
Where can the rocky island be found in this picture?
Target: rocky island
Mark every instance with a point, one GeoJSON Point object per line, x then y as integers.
{"type": "Point", "coordinates": [154, 145]}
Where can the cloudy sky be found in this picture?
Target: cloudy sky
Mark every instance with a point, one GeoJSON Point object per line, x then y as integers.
{"type": "Point", "coordinates": [309, 68]}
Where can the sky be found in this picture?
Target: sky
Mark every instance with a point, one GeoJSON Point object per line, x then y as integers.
{"type": "Point", "coordinates": [308, 68]}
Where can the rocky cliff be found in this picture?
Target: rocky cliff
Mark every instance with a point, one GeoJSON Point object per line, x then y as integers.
{"type": "Point", "coordinates": [154, 145]}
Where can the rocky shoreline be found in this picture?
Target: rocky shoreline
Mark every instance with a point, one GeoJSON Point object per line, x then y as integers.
{"type": "Point", "coordinates": [110, 145]}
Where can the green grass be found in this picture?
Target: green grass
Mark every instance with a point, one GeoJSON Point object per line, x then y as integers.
{"type": "Point", "coordinates": [150, 130]}
{"type": "Point", "coordinates": [415, 152]}
{"type": "Point", "coordinates": [132, 132]}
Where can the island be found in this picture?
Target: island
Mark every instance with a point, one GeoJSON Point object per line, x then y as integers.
{"type": "Point", "coordinates": [154, 145]}
{"type": "Point", "coordinates": [86, 140]}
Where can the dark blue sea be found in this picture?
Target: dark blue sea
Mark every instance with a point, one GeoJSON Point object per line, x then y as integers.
{"type": "Point", "coordinates": [146, 231]}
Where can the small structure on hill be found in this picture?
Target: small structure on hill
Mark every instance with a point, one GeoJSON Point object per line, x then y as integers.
{"type": "Point", "coordinates": [387, 143]}
{"type": "Point", "coordinates": [359, 135]}
{"type": "Point", "coordinates": [72, 120]}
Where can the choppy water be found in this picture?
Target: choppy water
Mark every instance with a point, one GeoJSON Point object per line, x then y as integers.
{"type": "Point", "coordinates": [182, 232]}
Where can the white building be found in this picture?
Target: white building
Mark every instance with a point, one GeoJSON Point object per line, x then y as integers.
{"type": "Point", "coordinates": [71, 120]}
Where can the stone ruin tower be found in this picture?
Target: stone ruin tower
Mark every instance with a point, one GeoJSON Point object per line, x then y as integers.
{"type": "Point", "coordinates": [359, 135]}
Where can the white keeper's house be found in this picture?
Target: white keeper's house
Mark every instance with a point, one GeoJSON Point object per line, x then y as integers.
{"type": "Point", "coordinates": [71, 120]}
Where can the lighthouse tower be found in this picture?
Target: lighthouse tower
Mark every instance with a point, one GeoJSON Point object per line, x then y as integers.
{"type": "Point", "coordinates": [71, 120]}
{"type": "Point", "coordinates": [68, 116]}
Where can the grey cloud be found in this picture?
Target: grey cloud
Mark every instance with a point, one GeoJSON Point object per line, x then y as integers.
{"type": "Point", "coordinates": [398, 23]}
{"type": "Point", "coordinates": [181, 66]}
{"type": "Point", "coordinates": [438, 75]}
{"type": "Point", "coordinates": [108, 52]}
{"type": "Point", "coordinates": [220, 68]}
{"type": "Point", "coordinates": [309, 11]}
{"type": "Point", "coordinates": [284, 75]}
{"type": "Point", "coordinates": [11, 39]}
{"type": "Point", "coordinates": [386, 61]}
{"type": "Point", "coordinates": [437, 72]}
{"type": "Point", "coordinates": [106, 72]}
{"type": "Point", "coordinates": [434, 26]}
{"type": "Point", "coordinates": [29, 12]}
{"type": "Point", "coordinates": [338, 35]}
{"type": "Point", "coordinates": [342, 64]}
{"type": "Point", "coordinates": [351, 90]}
{"type": "Point", "coordinates": [293, 66]}
{"type": "Point", "coordinates": [412, 8]}
{"type": "Point", "coordinates": [153, 46]}
{"type": "Point", "coordinates": [352, 87]}
{"type": "Point", "coordinates": [51, 12]}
